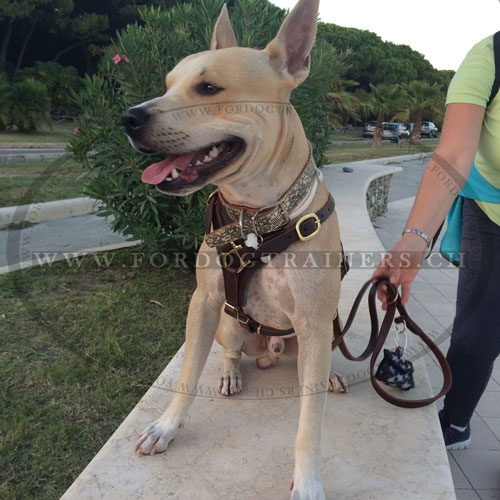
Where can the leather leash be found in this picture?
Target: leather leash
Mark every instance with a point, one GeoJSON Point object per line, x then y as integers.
{"type": "Point", "coordinates": [379, 336]}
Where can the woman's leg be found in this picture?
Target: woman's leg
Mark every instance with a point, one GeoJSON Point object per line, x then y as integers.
{"type": "Point", "coordinates": [475, 340]}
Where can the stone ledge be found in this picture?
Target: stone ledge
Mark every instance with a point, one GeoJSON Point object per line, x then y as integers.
{"type": "Point", "coordinates": [242, 447]}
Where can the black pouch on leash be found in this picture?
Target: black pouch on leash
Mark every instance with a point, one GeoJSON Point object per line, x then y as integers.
{"type": "Point", "coordinates": [396, 371]}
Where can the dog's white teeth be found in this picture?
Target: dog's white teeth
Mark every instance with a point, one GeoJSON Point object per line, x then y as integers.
{"type": "Point", "coordinates": [199, 163]}
{"type": "Point", "coordinates": [214, 152]}
{"type": "Point", "coordinates": [207, 159]}
{"type": "Point", "coordinates": [169, 179]}
{"type": "Point", "coordinates": [175, 174]}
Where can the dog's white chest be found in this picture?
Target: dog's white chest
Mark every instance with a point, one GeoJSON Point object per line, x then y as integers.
{"type": "Point", "coordinates": [268, 299]}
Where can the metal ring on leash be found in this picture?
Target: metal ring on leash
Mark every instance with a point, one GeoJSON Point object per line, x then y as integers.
{"type": "Point", "coordinates": [394, 300]}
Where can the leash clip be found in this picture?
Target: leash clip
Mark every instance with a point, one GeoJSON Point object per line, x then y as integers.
{"type": "Point", "coordinates": [401, 330]}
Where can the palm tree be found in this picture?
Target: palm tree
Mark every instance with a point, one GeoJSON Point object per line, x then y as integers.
{"type": "Point", "coordinates": [421, 97]}
{"type": "Point", "coordinates": [384, 100]}
{"type": "Point", "coordinates": [345, 105]}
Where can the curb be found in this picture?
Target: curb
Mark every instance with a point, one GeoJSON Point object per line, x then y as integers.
{"type": "Point", "coordinates": [32, 157]}
{"type": "Point", "coordinates": [51, 210]}
{"type": "Point", "coordinates": [389, 160]}
{"type": "Point", "coordinates": [33, 145]}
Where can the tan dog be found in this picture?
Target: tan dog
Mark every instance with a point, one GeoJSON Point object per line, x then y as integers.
{"type": "Point", "coordinates": [254, 158]}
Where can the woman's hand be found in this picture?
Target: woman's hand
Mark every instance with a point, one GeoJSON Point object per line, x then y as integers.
{"type": "Point", "coordinates": [401, 265]}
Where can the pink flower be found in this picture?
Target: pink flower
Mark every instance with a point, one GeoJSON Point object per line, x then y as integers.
{"type": "Point", "coordinates": [117, 58]}
{"type": "Point", "coordinates": [125, 58]}
{"type": "Point", "coordinates": [75, 131]}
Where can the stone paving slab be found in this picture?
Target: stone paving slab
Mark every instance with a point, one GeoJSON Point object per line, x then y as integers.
{"type": "Point", "coordinates": [242, 447]}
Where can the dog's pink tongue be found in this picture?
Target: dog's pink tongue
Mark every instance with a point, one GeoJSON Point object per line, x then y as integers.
{"type": "Point", "coordinates": [158, 172]}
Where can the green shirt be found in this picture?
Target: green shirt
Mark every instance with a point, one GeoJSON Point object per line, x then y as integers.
{"type": "Point", "coordinates": [472, 84]}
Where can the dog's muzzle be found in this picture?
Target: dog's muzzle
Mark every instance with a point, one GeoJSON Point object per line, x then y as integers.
{"type": "Point", "coordinates": [134, 120]}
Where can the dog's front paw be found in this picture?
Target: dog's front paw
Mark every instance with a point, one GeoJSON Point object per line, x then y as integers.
{"type": "Point", "coordinates": [157, 437]}
{"type": "Point", "coordinates": [336, 383]}
{"type": "Point", "coordinates": [308, 488]}
{"type": "Point", "coordinates": [230, 383]}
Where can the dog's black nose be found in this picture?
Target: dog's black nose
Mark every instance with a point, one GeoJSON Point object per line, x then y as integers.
{"type": "Point", "coordinates": [135, 118]}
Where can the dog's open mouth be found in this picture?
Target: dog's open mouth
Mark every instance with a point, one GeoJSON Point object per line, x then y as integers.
{"type": "Point", "coordinates": [188, 168]}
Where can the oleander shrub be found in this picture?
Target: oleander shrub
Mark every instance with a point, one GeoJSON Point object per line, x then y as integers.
{"type": "Point", "coordinates": [132, 70]}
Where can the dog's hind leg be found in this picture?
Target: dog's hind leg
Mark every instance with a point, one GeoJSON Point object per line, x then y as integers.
{"type": "Point", "coordinates": [202, 321]}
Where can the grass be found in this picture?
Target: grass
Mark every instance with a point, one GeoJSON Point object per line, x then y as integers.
{"type": "Point", "coordinates": [34, 182]}
{"type": "Point", "coordinates": [58, 133]}
{"type": "Point", "coordinates": [359, 152]}
{"type": "Point", "coordinates": [79, 346]}
{"type": "Point", "coordinates": [347, 136]}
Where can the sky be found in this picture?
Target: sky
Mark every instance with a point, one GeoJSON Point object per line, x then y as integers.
{"type": "Point", "coordinates": [443, 30]}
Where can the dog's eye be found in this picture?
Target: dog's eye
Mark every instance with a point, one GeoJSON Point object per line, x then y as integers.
{"type": "Point", "coordinates": [208, 89]}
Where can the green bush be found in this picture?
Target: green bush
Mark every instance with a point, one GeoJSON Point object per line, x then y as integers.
{"type": "Point", "coordinates": [4, 102]}
{"type": "Point", "coordinates": [165, 223]}
{"type": "Point", "coordinates": [29, 105]}
{"type": "Point", "coordinates": [61, 81]}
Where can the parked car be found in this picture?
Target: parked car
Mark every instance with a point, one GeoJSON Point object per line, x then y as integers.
{"type": "Point", "coordinates": [429, 130]}
{"type": "Point", "coordinates": [404, 132]}
{"type": "Point", "coordinates": [391, 131]}
{"type": "Point", "coordinates": [369, 129]}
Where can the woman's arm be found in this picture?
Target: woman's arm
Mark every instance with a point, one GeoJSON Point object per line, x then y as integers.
{"type": "Point", "coordinates": [444, 177]}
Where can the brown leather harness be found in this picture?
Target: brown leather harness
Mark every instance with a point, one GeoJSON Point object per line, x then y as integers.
{"type": "Point", "coordinates": [239, 263]}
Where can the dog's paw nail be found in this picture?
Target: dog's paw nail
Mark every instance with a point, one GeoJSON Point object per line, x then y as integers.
{"type": "Point", "coordinates": [291, 486]}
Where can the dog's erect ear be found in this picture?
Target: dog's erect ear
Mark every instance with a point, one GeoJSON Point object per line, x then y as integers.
{"type": "Point", "coordinates": [289, 51]}
{"type": "Point", "coordinates": [223, 36]}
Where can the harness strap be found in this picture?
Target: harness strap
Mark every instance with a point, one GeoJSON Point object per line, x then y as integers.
{"type": "Point", "coordinates": [240, 262]}
{"type": "Point", "coordinates": [379, 336]}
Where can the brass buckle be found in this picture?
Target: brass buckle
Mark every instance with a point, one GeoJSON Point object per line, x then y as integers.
{"type": "Point", "coordinates": [237, 313]}
{"type": "Point", "coordinates": [302, 220]}
{"type": "Point", "coordinates": [235, 251]}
